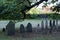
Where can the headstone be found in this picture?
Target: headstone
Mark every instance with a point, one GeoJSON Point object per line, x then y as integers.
{"type": "Point", "coordinates": [53, 22]}
{"type": "Point", "coordinates": [42, 27]}
{"type": "Point", "coordinates": [3, 29]}
{"type": "Point", "coordinates": [54, 25]}
{"type": "Point", "coordinates": [10, 28]}
{"type": "Point", "coordinates": [22, 29]}
{"type": "Point", "coordinates": [38, 28]}
{"type": "Point", "coordinates": [51, 26]}
{"type": "Point", "coordinates": [46, 27]}
{"type": "Point", "coordinates": [57, 27]}
{"type": "Point", "coordinates": [29, 27]}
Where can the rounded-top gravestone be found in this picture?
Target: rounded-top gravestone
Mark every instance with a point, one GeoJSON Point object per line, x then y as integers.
{"type": "Point", "coordinates": [10, 28]}
{"type": "Point", "coordinates": [22, 29]}
{"type": "Point", "coordinates": [29, 27]}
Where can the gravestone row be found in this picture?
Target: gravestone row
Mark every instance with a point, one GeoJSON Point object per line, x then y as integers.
{"type": "Point", "coordinates": [10, 28]}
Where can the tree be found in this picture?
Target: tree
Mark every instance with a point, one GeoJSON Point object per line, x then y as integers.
{"type": "Point", "coordinates": [13, 9]}
{"type": "Point", "coordinates": [56, 8]}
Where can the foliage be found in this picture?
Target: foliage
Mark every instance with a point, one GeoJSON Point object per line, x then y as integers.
{"type": "Point", "coordinates": [11, 10]}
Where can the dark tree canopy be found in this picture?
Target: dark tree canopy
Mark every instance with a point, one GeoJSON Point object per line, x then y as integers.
{"type": "Point", "coordinates": [13, 9]}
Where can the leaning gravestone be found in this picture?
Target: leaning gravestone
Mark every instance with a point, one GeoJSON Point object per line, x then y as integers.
{"type": "Point", "coordinates": [10, 28]}
{"type": "Point", "coordinates": [29, 27]}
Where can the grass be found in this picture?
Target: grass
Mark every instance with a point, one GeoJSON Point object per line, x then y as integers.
{"type": "Point", "coordinates": [3, 36]}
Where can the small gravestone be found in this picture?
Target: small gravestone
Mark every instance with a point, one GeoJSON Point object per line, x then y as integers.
{"type": "Point", "coordinates": [46, 27]}
{"type": "Point", "coordinates": [38, 28]}
{"type": "Point", "coordinates": [22, 29]}
{"type": "Point", "coordinates": [3, 29]}
{"type": "Point", "coordinates": [54, 26]}
{"type": "Point", "coordinates": [10, 28]}
{"type": "Point", "coordinates": [51, 26]}
{"type": "Point", "coordinates": [42, 27]}
{"type": "Point", "coordinates": [53, 22]}
{"type": "Point", "coordinates": [29, 27]}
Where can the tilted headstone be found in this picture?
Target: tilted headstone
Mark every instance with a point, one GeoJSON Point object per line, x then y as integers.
{"type": "Point", "coordinates": [29, 27]}
{"type": "Point", "coordinates": [10, 28]}
{"type": "Point", "coordinates": [22, 29]}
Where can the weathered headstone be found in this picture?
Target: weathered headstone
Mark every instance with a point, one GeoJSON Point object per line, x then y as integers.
{"type": "Point", "coordinates": [46, 27]}
{"type": "Point", "coordinates": [29, 27]}
{"type": "Point", "coordinates": [10, 28]}
{"type": "Point", "coordinates": [51, 26]}
{"type": "Point", "coordinates": [38, 28]}
{"type": "Point", "coordinates": [3, 29]}
{"type": "Point", "coordinates": [53, 22]}
{"type": "Point", "coordinates": [22, 29]}
{"type": "Point", "coordinates": [54, 25]}
{"type": "Point", "coordinates": [57, 26]}
{"type": "Point", "coordinates": [42, 27]}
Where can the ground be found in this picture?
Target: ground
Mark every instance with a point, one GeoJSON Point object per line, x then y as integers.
{"type": "Point", "coordinates": [54, 36]}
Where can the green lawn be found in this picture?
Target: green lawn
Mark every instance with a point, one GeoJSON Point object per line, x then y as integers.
{"type": "Point", "coordinates": [3, 36]}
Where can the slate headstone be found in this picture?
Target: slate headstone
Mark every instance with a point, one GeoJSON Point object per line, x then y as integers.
{"type": "Point", "coordinates": [46, 27]}
{"type": "Point", "coordinates": [42, 25]}
{"type": "Point", "coordinates": [38, 28]}
{"type": "Point", "coordinates": [29, 27]}
{"type": "Point", "coordinates": [10, 28]}
{"type": "Point", "coordinates": [22, 29]}
{"type": "Point", "coordinates": [53, 22]}
{"type": "Point", "coordinates": [54, 25]}
{"type": "Point", "coordinates": [51, 26]}
{"type": "Point", "coordinates": [3, 29]}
